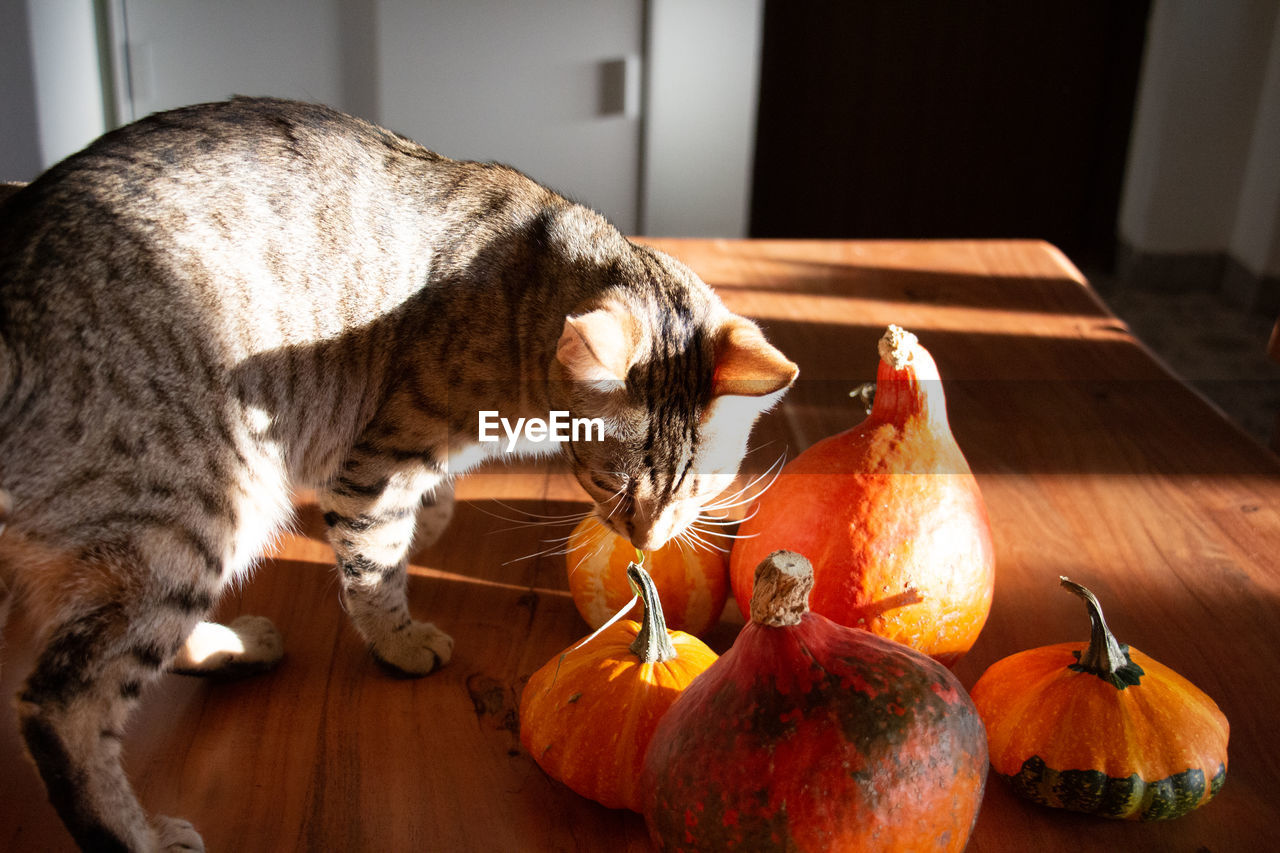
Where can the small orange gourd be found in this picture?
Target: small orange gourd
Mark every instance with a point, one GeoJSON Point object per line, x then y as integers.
{"type": "Point", "coordinates": [1102, 728]}
{"type": "Point", "coordinates": [693, 582]}
{"type": "Point", "coordinates": [587, 715]}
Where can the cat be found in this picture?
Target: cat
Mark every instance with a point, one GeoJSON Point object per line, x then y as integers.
{"type": "Point", "coordinates": [216, 306]}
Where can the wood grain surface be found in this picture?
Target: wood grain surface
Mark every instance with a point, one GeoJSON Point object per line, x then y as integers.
{"type": "Point", "coordinates": [1094, 462]}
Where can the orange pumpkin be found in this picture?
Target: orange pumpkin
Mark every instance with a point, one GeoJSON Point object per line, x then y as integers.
{"type": "Point", "coordinates": [692, 582]}
{"type": "Point", "coordinates": [890, 515]}
{"type": "Point", "coordinates": [587, 716]}
{"type": "Point", "coordinates": [1102, 728]}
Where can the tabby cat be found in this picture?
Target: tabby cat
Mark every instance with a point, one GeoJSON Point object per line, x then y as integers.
{"type": "Point", "coordinates": [213, 307]}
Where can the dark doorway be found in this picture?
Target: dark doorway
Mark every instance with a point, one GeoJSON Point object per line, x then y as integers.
{"type": "Point", "coordinates": [935, 118]}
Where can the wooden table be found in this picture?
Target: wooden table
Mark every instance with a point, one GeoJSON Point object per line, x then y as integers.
{"type": "Point", "coordinates": [1095, 463]}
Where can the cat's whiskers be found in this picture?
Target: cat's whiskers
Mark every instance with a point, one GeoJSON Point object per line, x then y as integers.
{"type": "Point", "coordinates": [695, 539]}
{"type": "Point", "coordinates": [596, 544]}
{"type": "Point", "coordinates": [534, 519]}
{"type": "Point", "coordinates": [564, 538]}
{"type": "Point", "coordinates": [558, 545]}
{"type": "Point", "coordinates": [531, 518]}
{"type": "Point", "coordinates": [722, 520]}
{"type": "Point", "coordinates": [737, 499]}
{"type": "Point", "coordinates": [553, 550]}
{"type": "Point", "coordinates": [725, 535]}
{"type": "Point", "coordinates": [683, 542]}
{"type": "Point", "coordinates": [617, 497]}
{"type": "Point", "coordinates": [521, 525]}
{"type": "Point", "coordinates": [745, 495]}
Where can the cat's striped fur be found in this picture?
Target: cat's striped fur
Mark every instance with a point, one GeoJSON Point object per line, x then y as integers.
{"type": "Point", "coordinates": [213, 307]}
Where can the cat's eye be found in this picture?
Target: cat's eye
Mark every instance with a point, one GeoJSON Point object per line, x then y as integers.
{"type": "Point", "coordinates": [614, 485]}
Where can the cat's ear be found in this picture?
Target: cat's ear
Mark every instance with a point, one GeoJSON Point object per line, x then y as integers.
{"type": "Point", "coordinates": [747, 365]}
{"type": "Point", "coordinates": [597, 347]}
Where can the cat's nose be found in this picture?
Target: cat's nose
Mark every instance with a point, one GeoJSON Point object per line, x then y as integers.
{"type": "Point", "coordinates": [640, 535]}
{"type": "Point", "coordinates": [652, 536]}
{"type": "Point", "coordinates": [648, 540]}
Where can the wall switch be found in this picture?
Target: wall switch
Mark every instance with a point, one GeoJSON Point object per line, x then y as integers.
{"type": "Point", "coordinates": [619, 92]}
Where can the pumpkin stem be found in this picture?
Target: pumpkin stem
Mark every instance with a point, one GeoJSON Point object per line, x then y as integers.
{"type": "Point", "coordinates": [652, 644]}
{"type": "Point", "coordinates": [907, 382]}
{"type": "Point", "coordinates": [780, 596]}
{"type": "Point", "coordinates": [1105, 656]}
{"type": "Point", "coordinates": [898, 347]}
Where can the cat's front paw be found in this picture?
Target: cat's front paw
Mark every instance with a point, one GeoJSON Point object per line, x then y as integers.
{"type": "Point", "coordinates": [418, 649]}
{"type": "Point", "coordinates": [176, 834]}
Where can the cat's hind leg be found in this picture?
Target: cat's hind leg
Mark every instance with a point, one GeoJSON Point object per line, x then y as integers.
{"type": "Point", "coordinates": [434, 515]}
{"type": "Point", "coordinates": [110, 626]}
{"type": "Point", "coordinates": [247, 645]}
{"type": "Point", "coordinates": [371, 513]}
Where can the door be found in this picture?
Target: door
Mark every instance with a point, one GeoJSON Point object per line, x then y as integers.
{"type": "Point", "coordinates": [933, 118]}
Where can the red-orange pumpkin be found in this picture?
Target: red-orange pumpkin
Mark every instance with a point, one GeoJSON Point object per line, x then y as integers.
{"type": "Point", "coordinates": [587, 715]}
{"type": "Point", "coordinates": [809, 736]}
{"type": "Point", "coordinates": [693, 582]}
{"type": "Point", "coordinates": [890, 515]}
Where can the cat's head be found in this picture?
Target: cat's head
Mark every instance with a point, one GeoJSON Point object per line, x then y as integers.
{"type": "Point", "coordinates": [678, 381]}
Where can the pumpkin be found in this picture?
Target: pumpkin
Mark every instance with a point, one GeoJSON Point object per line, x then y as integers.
{"type": "Point", "coordinates": [587, 715]}
{"type": "Point", "coordinates": [693, 581]}
{"type": "Point", "coordinates": [890, 515]}
{"type": "Point", "coordinates": [1102, 728]}
{"type": "Point", "coordinates": [807, 735]}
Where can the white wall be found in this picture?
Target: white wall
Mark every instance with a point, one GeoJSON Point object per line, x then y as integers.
{"type": "Point", "coordinates": [189, 51]}
{"type": "Point", "coordinates": [481, 79]}
{"type": "Point", "coordinates": [1205, 148]}
{"type": "Point", "coordinates": [19, 123]}
{"type": "Point", "coordinates": [519, 83]}
{"type": "Point", "coordinates": [704, 72]}
{"type": "Point", "coordinates": [1255, 239]}
{"type": "Point", "coordinates": [67, 76]}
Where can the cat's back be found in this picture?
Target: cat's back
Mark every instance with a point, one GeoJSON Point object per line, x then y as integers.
{"type": "Point", "coordinates": [262, 146]}
{"type": "Point", "coordinates": [186, 266]}
{"type": "Point", "coordinates": [182, 159]}
{"type": "Point", "coordinates": [248, 197]}
{"type": "Point", "coordinates": [228, 250]}
{"type": "Point", "coordinates": [211, 194]}
{"type": "Point", "coordinates": [250, 208]}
